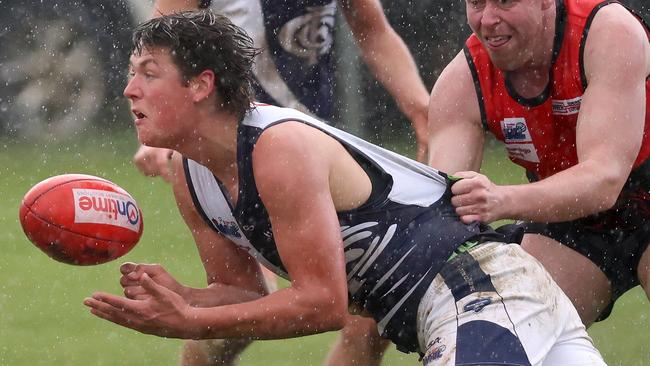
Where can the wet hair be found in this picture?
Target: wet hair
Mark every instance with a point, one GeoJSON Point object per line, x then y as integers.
{"type": "Point", "coordinates": [202, 40]}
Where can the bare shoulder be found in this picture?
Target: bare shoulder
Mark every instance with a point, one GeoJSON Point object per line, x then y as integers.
{"type": "Point", "coordinates": [290, 150]}
{"type": "Point", "coordinates": [454, 93]}
{"type": "Point", "coordinates": [617, 39]}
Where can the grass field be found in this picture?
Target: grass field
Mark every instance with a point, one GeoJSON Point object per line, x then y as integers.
{"type": "Point", "coordinates": [43, 321]}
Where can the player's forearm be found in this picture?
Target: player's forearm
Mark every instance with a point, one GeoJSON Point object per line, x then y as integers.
{"type": "Point", "coordinates": [282, 314]}
{"type": "Point", "coordinates": [579, 191]}
{"type": "Point", "coordinates": [217, 294]}
{"type": "Point", "coordinates": [393, 66]}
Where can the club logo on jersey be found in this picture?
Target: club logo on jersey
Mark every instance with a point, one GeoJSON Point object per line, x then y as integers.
{"type": "Point", "coordinates": [227, 227]}
{"type": "Point", "coordinates": [310, 35]}
{"type": "Point", "coordinates": [566, 107]}
{"type": "Point", "coordinates": [515, 130]}
{"type": "Point", "coordinates": [104, 207]}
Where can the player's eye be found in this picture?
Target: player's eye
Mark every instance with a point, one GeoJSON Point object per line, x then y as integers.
{"type": "Point", "coordinates": [476, 4]}
{"type": "Point", "coordinates": [505, 3]}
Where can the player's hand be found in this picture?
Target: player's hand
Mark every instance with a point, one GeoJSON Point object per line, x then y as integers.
{"type": "Point", "coordinates": [154, 162]}
{"type": "Point", "coordinates": [162, 312]}
{"type": "Point", "coordinates": [476, 198]}
{"type": "Point", "coordinates": [132, 274]}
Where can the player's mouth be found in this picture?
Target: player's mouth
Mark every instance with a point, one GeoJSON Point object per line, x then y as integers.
{"type": "Point", "coordinates": [496, 41]}
{"type": "Point", "coordinates": [139, 116]}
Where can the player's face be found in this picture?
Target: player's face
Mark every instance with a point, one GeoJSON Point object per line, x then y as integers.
{"type": "Point", "coordinates": [158, 96]}
{"type": "Point", "coordinates": [510, 30]}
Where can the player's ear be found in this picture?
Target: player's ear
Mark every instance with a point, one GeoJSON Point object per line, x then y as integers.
{"type": "Point", "coordinates": [203, 85]}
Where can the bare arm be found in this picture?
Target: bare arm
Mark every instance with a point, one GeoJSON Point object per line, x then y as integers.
{"type": "Point", "coordinates": [232, 275]}
{"type": "Point", "coordinates": [390, 62]}
{"type": "Point", "coordinates": [307, 234]}
{"type": "Point", "coordinates": [609, 133]}
{"type": "Point", "coordinates": [456, 135]}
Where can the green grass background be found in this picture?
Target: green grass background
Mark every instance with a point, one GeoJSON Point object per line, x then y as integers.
{"type": "Point", "coordinates": [43, 321]}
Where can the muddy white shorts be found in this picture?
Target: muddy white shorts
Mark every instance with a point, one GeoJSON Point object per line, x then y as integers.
{"type": "Point", "coordinates": [496, 305]}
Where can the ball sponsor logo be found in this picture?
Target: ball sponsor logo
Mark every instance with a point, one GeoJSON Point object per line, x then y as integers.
{"type": "Point", "coordinates": [103, 207]}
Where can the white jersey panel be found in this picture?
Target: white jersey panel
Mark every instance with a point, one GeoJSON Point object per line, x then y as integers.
{"type": "Point", "coordinates": [410, 186]}
{"type": "Point", "coordinates": [218, 210]}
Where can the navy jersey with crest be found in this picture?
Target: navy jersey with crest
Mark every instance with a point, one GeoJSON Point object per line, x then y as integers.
{"type": "Point", "coordinates": [394, 244]}
{"type": "Point", "coordinates": [296, 66]}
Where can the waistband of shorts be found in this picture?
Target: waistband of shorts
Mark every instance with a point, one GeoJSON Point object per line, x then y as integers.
{"type": "Point", "coordinates": [473, 247]}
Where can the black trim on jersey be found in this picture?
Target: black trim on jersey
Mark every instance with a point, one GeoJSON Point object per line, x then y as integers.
{"type": "Point", "coordinates": [583, 41]}
{"type": "Point", "coordinates": [560, 21]}
{"type": "Point", "coordinates": [645, 24]}
{"type": "Point", "coordinates": [195, 199]}
{"type": "Point", "coordinates": [477, 87]}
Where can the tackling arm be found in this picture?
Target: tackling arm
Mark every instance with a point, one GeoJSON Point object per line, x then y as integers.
{"type": "Point", "coordinates": [456, 135]}
{"type": "Point", "coordinates": [608, 135]}
{"type": "Point", "coordinates": [610, 125]}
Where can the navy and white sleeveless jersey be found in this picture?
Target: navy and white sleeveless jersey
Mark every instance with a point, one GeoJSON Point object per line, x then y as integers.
{"type": "Point", "coordinates": [296, 66]}
{"type": "Point", "coordinates": [394, 244]}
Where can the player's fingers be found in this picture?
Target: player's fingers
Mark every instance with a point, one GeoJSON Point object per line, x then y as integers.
{"type": "Point", "coordinates": [462, 200]}
{"type": "Point", "coordinates": [462, 186]}
{"type": "Point", "coordinates": [128, 267]}
{"type": "Point", "coordinates": [150, 285]}
{"type": "Point", "coordinates": [467, 219]}
{"type": "Point", "coordinates": [126, 280]}
{"type": "Point", "coordinates": [136, 293]}
{"type": "Point", "coordinates": [104, 301]}
{"type": "Point", "coordinates": [113, 317]}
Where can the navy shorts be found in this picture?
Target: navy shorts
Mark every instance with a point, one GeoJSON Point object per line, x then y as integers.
{"type": "Point", "coordinates": [615, 239]}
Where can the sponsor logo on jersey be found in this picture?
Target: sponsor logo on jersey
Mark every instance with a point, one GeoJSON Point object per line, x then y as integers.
{"type": "Point", "coordinates": [525, 152]}
{"type": "Point", "coordinates": [515, 130]}
{"type": "Point", "coordinates": [310, 35]}
{"type": "Point", "coordinates": [227, 227]}
{"type": "Point", "coordinates": [103, 207]}
{"type": "Point", "coordinates": [566, 107]}
{"type": "Point", "coordinates": [477, 305]}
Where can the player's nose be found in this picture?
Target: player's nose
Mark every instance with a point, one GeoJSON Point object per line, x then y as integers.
{"type": "Point", "coordinates": [132, 91]}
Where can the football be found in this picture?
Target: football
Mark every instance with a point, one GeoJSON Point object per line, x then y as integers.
{"type": "Point", "coordinates": [81, 219]}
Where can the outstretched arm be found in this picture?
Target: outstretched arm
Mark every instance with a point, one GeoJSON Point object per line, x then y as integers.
{"type": "Point", "coordinates": [390, 62]}
{"type": "Point", "coordinates": [307, 234]}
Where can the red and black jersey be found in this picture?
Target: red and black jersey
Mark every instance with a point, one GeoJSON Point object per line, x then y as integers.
{"type": "Point", "coordinates": [540, 132]}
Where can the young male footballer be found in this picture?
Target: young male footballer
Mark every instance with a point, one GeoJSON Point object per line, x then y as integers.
{"type": "Point", "coordinates": [351, 225]}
